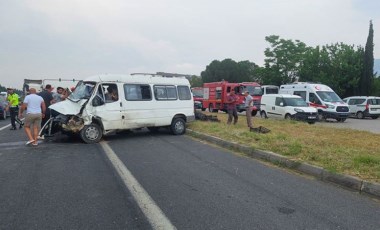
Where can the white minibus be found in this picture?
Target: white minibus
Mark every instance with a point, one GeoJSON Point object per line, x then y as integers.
{"type": "Point", "coordinates": [106, 103]}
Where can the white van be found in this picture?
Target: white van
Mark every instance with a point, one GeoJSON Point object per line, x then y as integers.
{"type": "Point", "coordinates": [322, 97]}
{"type": "Point", "coordinates": [106, 103]}
{"type": "Point", "coordinates": [361, 106]}
{"type": "Point", "coordinates": [287, 106]}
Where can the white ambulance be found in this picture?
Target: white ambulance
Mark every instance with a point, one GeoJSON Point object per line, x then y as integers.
{"type": "Point", "coordinates": [322, 97]}
{"type": "Point", "coordinates": [104, 104]}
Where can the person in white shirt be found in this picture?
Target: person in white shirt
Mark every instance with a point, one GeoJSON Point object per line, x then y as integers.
{"type": "Point", "coordinates": [35, 108]}
{"type": "Point", "coordinates": [248, 108]}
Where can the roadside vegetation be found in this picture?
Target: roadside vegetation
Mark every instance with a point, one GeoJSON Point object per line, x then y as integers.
{"type": "Point", "coordinates": [338, 150]}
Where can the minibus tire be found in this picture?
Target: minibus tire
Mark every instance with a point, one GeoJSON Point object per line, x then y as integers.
{"type": "Point", "coordinates": [178, 126]}
{"type": "Point", "coordinates": [91, 133]}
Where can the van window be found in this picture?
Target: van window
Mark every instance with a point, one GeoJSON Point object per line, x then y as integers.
{"type": "Point", "coordinates": [374, 101]}
{"type": "Point", "coordinates": [301, 94]}
{"type": "Point", "coordinates": [137, 92]}
{"type": "Point", "coordinates": [356, 101]}
{"type": "Point", "coordinates": [278, 101]}
{"type": "Point", "coordinates": [165, 92]}
{"type": "Point", "coordinates": [184, 93]}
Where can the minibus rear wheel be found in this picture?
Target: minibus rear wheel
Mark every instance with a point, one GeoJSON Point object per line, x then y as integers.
{"type": "Point", "coordinates": [91, 133]}
{"type": "Point", "coordinates": [178, 126]}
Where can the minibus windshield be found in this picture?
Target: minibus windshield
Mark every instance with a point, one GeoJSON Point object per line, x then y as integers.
{"type": "Point", "coordinates": [329, 96]}
{"type": "Point", "coordinates": [82, 91]}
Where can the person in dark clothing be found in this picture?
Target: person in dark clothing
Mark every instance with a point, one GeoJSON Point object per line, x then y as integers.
{"type": "Point", "coordinates": [47, 95]}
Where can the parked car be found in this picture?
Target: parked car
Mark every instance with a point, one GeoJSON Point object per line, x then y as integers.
{"type": "Point", "coordinates": [3, 104]}
{"type": "Point", "coordinates": [287, 106]}
{"type": "Point", "coordinates": [362, 106]}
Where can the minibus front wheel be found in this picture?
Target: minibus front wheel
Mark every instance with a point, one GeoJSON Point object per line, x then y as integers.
{"type": "Point", "coordinates": [91, 133]}
{"type": "Point", "coordinates": [178, 126]}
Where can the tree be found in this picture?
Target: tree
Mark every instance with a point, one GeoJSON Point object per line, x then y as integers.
{"type": "Point", "coordinates": [230, 70]}
{"type": "Point", "coordinates": [283, 60]}
{"type": "Point", "coordinates": [337, 65]}
{"type": "Point", "coordinates": [195, 81]}
{"type": "Point", "coordinates": [366, 79]}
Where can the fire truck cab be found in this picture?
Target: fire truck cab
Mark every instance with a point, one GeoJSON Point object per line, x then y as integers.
{"type": "Point", "coordinates": [215, 95]}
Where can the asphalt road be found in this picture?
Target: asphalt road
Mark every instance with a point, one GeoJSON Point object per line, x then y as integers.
{"type": "Point", "coordinates": [65, 184]}
{"type": "Point", "coordinates": [367, 124]}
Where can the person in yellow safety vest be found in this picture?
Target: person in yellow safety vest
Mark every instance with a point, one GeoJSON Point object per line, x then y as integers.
{"type": "Point", "coordinates": [13, 103]}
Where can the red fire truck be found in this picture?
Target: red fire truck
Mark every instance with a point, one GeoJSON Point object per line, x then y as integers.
{"type": "Point", "coordinates": [215, 95]}
{"type": "Point", "coordinates": [198, 97]}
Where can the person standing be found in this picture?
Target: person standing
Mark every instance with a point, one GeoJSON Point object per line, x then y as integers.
{"type": "Point", "coordinates": [248, 108]}
{"type": "Point", "coordinates": [232, 100]}
{"type": "Point", "coordinates": [35, 111]}
{"type": "Point", "coordinates": [47, 95]}
{"type": "Point", "coordinates": [13, 105]}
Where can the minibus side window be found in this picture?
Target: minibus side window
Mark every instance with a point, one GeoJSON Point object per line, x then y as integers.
{"type": "Point", "coordinates": [137, 92]}
{"type": "Point", "coordinates": [110, 92]}
{"type": "Point", "coordinates": [301, 94]}
{"type": "Point", "coordinates": [165, 92]}
{"type": "Point", "coordinates": [184, 93]}
{"type": "Point", "coordinates": [314, 99]}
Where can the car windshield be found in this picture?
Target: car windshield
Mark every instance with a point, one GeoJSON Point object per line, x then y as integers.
{"type": "Point", "coordinates": [329, 96]}
{"type": "Point", "coordinates": [82, 91]}
{"type": "Point", "coordinates": [253, 90]}
{"type": "Point", "coordinates": [296, 102]}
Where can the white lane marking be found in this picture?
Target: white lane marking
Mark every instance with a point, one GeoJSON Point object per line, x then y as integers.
{"type": "Point", "coordinates": [4, 127]}
{"type": "Point", "coordinates": [154, 214]}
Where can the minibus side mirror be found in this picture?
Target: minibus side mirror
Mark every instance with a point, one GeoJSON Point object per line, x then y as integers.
{"type": "Point", "coordinates": [97, 101]}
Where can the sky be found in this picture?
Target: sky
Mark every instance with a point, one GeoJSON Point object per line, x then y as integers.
{"type": "Point", "coordinates": [79, 38]}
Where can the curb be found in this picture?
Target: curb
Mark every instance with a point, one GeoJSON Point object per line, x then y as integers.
{"type": "Point", "coordinates": [350, 182]}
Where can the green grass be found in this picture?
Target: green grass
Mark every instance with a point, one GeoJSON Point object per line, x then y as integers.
{"type": "Point", "coordinates": [338, 150]}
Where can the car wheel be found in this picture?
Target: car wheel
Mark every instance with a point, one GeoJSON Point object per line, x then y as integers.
{"type": "Point", "coordinates": [263, 114]}
{"type": "Point", "coordinates": [178, 126]}
{"type": "Point", "coordinates": [320, 117]}
{"type": "Point", "coordinates": [91, 133]}
{"type": "Point", "coordinates": [288, 116]}
{"type": "Point", "coordinates": [360, 115]}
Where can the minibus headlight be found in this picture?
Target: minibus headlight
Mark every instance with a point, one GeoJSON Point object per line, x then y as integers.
{"type": "Point", "coordinates": [298, 110]}
{"type": "Point", "coordinates": [330, 106]}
